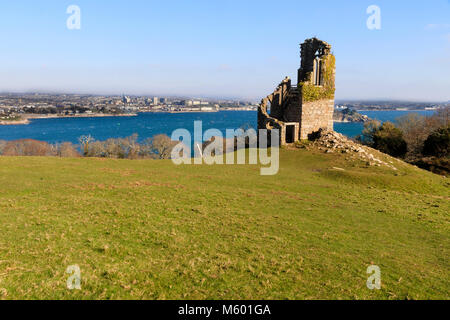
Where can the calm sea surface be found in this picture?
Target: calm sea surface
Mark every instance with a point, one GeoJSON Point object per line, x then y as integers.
{"type": "Point", "coordinates": [149, 124]}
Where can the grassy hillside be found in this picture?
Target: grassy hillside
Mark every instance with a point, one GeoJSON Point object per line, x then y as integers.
{"type": "Point", "coordinates": [151, 230]}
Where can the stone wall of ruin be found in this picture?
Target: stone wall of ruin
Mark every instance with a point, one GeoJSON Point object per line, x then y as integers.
{"type": "Point", "coordinates": [292, 111]}
{"type": "Point", "coordinates": [278, 99]}
{"type": "Point", "coordinates": [265, 121]}
{"type": "Point", "coordinates": [308, 51]}
{"type": "Point", "coordinates": [315, 116]}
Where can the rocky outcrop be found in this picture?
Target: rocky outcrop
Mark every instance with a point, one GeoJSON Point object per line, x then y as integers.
{"type": "Point", "coordinates": [348, 115]}
{"type": "Point", "coordinates": [333, 142]}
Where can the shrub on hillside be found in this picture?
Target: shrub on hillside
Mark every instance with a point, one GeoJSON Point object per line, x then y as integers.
{"type": "Point", "coordinates": [129, 147]}
{"type": "Point", "coordinates": [67, 150]}
{"type": "Point", "coordinates": [384, 137]}
{"type": "Point", "coordinates": [368, 132]}
{"type": "Point", "coordinates": [389, 139]}
{"type": "Point", "coordinates": [441, 118]}
{"type": "Point", "coordinates": [416, 129]}
{"type": "Point", "coordinates": [2, 146]}
{"type": "Point", "coordinates": [438, 143]}
{"type": "Point", "coordinates": [437, 165]}
{"type": "Point", "coordinates": [28, 147]}
{"type": "Point", "coordinates": [95, 149]}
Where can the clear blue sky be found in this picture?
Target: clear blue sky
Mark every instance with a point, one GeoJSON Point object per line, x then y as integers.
{"type": "Point", "coordinates": [223, 48]}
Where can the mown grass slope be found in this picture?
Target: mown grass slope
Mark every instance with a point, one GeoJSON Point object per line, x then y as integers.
{"type": "Point", "coordinates": [153, 230]}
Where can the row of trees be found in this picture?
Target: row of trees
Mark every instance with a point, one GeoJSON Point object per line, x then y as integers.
{"type": "Point", "coordinates": [424, 141]}
{"type": "Point", "coordinates": [158, 147]}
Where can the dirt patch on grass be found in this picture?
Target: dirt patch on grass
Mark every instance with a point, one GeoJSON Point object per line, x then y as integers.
{"type": "Point", "coordinates": [138, 184]}
{"type": "Point", "coordinates": [290, 195]}
{"type": "Point", "coordinates": [123, 173]}
{"type": "Point", "coordinates": [93, 186]}
{"type": "Point", "coordinates": [133, 184]}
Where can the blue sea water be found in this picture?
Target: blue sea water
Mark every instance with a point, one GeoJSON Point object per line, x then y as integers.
{"type": "Point", "coordinates": [149, 124]}
{"type": "Point", "coordinates": [354, 129]}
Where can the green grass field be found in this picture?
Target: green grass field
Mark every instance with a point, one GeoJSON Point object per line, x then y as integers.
{"type": "Point", "coordinates": [142, 229]}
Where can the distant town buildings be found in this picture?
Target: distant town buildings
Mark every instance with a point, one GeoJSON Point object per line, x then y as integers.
{"type": "Point", "coordinates": [126, 99]}
{"type": "Point", "coordinates": [13, 106]}
{"type": "Point", "coordinates": [17, 105]}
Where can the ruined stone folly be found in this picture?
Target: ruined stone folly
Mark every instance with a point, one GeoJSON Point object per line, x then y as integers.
{"type": "Point", "coordinates": [300, 110]}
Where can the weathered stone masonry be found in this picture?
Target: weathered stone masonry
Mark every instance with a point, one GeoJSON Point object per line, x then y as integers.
{"type": "Point", "coordinates": [298, 111]}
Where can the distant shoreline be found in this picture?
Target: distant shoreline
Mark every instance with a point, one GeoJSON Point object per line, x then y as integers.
{"type": "Point", "coordinates": [423, 110]}
{"type": "Point", "coordinates": [194, 111]}
{"type": "Point", "coordinates": [165, 111]}
{"type": "Point", "coordinates": [26, 119]}
{"type": "Point", "coordinates": [13, 122]}
{"type": "Point", "coordinates": [347, 121]}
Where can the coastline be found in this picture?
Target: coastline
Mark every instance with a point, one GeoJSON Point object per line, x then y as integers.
{"type": "Point", "coordinates": [13, 122]}
{"type": "Point", "coordinates": [419, 110]}
{"type": "Point", "coordinates": [189, 111]}
{"type": "Point", "coordinates": [347, 121]}
{"type": "Point", "coordinates": [26, 118]}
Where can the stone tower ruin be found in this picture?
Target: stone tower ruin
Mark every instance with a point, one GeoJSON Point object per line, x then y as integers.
{"type": "Point", "coordinates": [300, 110]}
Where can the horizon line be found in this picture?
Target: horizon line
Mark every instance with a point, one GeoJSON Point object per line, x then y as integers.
{"type": "Point", "coordinates": [202, 96]}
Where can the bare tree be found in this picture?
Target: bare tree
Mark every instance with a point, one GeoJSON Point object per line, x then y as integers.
{"type": "Point", "coordinates": [161, 146]}
{"type": "Point", "coordinates": [67, 150]}
{"type": "Point", "coordinates": [111, 148]}
{"type": "Point", "coordinates": [443, 116]}
{"type": "Point", "coordinates": [28, 147]}
{"type": "Point", "coordinates": [85, 141]}
{"type": "Point", "coordinates": [97, 149]}
{"type": "Point", "coordinates": [414, 131]}
{"type": "Point", "coordinates": [2, 146]}
{"type": "Point", "coordinates": [128, 147]}
{"type": "Point", "coordinates": [133, 147]}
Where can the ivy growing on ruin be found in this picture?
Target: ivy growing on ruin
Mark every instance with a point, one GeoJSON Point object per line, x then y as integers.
{"type": "Point", "coordinates": [314, 93]}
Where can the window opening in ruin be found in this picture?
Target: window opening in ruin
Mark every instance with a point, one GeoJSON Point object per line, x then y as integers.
{"type": "Point", "coordinates": [317, 72]}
